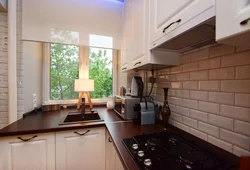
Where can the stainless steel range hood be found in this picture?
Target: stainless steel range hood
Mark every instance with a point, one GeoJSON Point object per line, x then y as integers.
{"type": "Point", "coordinates": [196, 37]}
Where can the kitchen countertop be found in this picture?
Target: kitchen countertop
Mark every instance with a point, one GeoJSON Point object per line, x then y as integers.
{"type": "Point", "coordinates": [117, 128]}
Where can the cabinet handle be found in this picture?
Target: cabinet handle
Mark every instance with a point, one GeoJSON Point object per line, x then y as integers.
{"type": "Point", "coordinates": [110, 140]}
{"type": "Point", "coordinates": [26, 140]}
{"type": "Point", "coordinates": [154, 44]}
{"type": "Point", "coordinates": [244, 22]}
{"type": "Point", "coordinates": [179, 20]}
{"type": "Point", "coordinates": [137, 63]}
{"type": "Point", "coordinates": [124, 68]}
{"type": "Point", "coordinates": [81, 134]}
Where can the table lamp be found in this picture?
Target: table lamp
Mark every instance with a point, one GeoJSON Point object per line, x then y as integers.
{"type": "Point", "coordinates": [84, 86]}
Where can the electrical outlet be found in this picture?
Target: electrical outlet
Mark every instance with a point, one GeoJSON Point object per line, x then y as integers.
{"type": "Point", "coordinates": [34, 101]}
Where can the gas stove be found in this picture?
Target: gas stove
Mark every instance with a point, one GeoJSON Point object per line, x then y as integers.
{"type": "Point", "coordinates": [167, 150]}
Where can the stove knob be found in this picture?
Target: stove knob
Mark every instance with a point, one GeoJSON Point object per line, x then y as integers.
{"type": "Point", "coordinates": [147, 162]}
{"type": "Point", "coordinates": [140, 153]}
{"type": "Point", "coordinates": [135, 146]}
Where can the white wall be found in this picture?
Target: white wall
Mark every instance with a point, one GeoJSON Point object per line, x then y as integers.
{"type": "Point", "coordinates": [32, 60]}
{"type": "Point", "coordinates": [43, 18]}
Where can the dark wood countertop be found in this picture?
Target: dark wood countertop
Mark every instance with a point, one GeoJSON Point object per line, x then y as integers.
{"type": "Point", "coordinates": [49, 122]}
{"type": "Point", "coordinates": [117, 128]}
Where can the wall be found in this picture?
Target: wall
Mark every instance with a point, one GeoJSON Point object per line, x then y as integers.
{"type": "Point", "coordinates": [209, 96]}
{"type": "Point", "coordinates": [32, 60]}
{"type": "Point", "coordinates": [4, 66]}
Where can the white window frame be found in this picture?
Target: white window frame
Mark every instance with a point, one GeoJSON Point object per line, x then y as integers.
{"type": "Point", "coordinates": [83, 73]}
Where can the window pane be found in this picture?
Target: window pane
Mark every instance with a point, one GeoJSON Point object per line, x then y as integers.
{"type": "Point", "coordinates": [100, 70]}
{"type": "Point", "coordinates": [64, 68]}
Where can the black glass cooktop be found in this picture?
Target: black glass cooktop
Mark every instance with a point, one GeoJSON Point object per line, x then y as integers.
{"type": "Point", "coordinates": [169, 151]}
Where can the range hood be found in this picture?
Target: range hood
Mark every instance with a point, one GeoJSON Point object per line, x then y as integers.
{"type": "Point", "coordinates": [196, 37]}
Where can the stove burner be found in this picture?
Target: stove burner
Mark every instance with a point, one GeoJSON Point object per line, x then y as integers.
{"type": "Point", "coordinates": [173, 140]}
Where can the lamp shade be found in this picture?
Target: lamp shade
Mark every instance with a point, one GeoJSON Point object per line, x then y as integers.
{"type": "Point", "coordinates": [84, 85]}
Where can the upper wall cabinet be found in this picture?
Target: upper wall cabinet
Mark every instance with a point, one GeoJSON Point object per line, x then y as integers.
{"type": "Point", "coordinates": [233, 22]}
{"type": "Point", "coordinates": [135, 42]}
{"type": "Point", "coordinates": [167, 16]}
{"type": "Point", "coordinates": [3, 5]}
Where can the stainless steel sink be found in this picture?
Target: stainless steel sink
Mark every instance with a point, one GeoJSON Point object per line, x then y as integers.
{"type": "Point", "coordinates": [77, 117]}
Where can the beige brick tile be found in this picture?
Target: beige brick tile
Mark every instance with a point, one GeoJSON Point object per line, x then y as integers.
{"type": "Point", "coordinates": [239, 113]}
{"type": "Point", "coordinates": [176, 69]}
{"type": "Point", "coordinates": [199, 75]}
{"type": "Point", "coordinates": [182, 126]}
{"type": "Point", "coordinates": [219, 97]}
{"type": "Point", "coordinates": [182, 76]}
{"type": "Point", "coordinates": [172, 107]}
{"type": "Point", "coordinates": [236, 59]}
{"type": "Point", "coordinates": [182, 93]}
{"type": "Point", "coordinates": [163, 71]}
{"type": "Point", "coordinates": [200, 55]}
{"type": "Point", "coordinates": [242, 127]}
{"type": "Point", "coordinates": [242, 100]}
{"type": "Point", "coordinates": [199, 95]}
{"type": "Point", "coordinates": [182, 110]}
{"type": "Point", "coordinates": [198, 134]}
{"type": "Point", "coordinates": [202, 116]}
{"type": "Point", "coordinates": [243, 72]}
{"type": "Point", "coordinates": [193, 104]}
{"type": "Point", "coordinates": [222, 73]}
{"type": "Point", "coordinates": [209, 129]}
{"type": "Point", "coordinates": [241, 86]}
{"type": "Point", "coordinates": [220, 121]}
{"type": "Point", "coordinates": [171, 92]}
{"type": "Point", "coordinates": [222, 144]}
{"type": "Point", "coordinates": [175, 100]}
{"type": "Point", "coordinates": [190, 85]}
{"type": "Point", "coordinates": [209, 64]}
{"type": "Point", "coordinates": [176, 117]}
{"type": "Point", "coordinates": [185, 58]}
{"type": "Point", "coordinates": [243, 48]}
{"type": "Point", "coordinates": [240, 152]}
{"type": "Point", "coordinates": [209, 85]}
{"type": "Point", "coordinates": [209, 107]}
{"type": "Point", "coordinates": [190, 122]}
{"type": "Point", "coordinates": [220, 50]}
{"type": "Point", "coordinates": [176, 85]}
{"type": "Point", "coordinates": [190, 67]}
{"type": "Point", "coordinates": [234, 138]}
{"type": "Point", "coordinates": [171, 77]}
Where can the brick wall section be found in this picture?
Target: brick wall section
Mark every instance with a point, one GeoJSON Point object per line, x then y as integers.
{"type": "Point", "coordinates": [3, 70]}
{"type": "Point", "coordinates": [4, 66]}
{"type": "Point", "coordinates": [209, 96]}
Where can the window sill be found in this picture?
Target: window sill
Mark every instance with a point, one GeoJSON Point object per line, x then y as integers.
{"type": "Point", "coordinates": [75, 101]}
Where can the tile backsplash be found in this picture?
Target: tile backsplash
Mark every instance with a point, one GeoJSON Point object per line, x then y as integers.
{"type": "Point", "coordinates": [209, 96]}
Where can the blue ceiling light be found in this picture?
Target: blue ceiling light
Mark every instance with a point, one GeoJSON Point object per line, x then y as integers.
{"type": "Point", "coordinates": [120, 0]}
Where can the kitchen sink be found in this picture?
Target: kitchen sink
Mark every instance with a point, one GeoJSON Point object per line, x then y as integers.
{"type": "Point", "coordinates": [77, 117]}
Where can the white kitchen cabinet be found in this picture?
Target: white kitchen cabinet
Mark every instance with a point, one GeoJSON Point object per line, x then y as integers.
{"type": "Point", "coordinates": [81, 149]}
{"type": "Point", "coordinates": [233, 22]}
{"type": "Point", "coordinates": [166, 16]}
{"type": "Point", "coordinates": [27, 152]}
{"type": "Point", "coordinates": [136, 34]}
{"type": "Point", "coordinates": [113, 161]}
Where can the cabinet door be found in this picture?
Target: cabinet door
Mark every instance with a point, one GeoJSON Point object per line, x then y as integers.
{"type": "Point", "coordinates": [126, 52]}
{"type": "Point", "coordinates": [233, 18]}
{"type": "Point", "coordinates": [166, 13]}
{"type": "Point", "coordinates": [110, 153]}
{"type": "Point", "coordinates": [37, 153]}
{"type": "Point", "coordinates": [81, 149]}
{"type": "Point", "coordinates": [139, 32]}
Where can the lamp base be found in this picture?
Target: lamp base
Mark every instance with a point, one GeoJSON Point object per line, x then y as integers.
{"type": "Point", "coordinates": [81, 94]}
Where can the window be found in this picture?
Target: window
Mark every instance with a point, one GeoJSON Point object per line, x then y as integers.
{"type": "Point", "coordinates": [69, 62]}
{"type": "Point", "coordinates": [64, 69]}
{"type": "Point", "coordinates": [100, 70]}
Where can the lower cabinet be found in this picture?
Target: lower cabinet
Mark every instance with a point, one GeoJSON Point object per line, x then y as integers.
{"type": "Point", "coordinates": [81, 149]}
{"type": "Point", "coordinates": [112, 159]}
{"type": "Point", "coordinates": [28, 152]}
